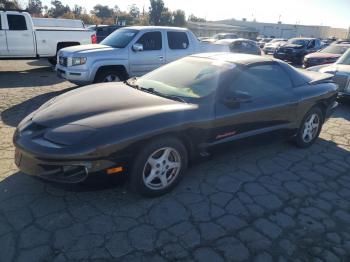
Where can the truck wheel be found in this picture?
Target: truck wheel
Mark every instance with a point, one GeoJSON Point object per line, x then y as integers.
{"type": "Point", "coordinates": [52, 60]}
{"type": "Point", "coordinates": [159, 167]}
{"type": "Point", "coordinates": [108, 76]}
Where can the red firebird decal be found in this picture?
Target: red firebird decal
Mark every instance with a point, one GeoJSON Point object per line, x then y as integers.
{"type": "Point", "coordinates": [226, 135]}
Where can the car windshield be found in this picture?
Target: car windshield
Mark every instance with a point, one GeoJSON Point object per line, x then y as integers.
{"type": "Point", "coordinates": [189, 77]}
{"type": "Point", "coordinates": [345, 58]}
{"type": "Point", "coordinates": [296, 41]}
{"type": "Point", "coordinates": [335, 49]}
{"type": "Point", "coordinates": [120, 38]}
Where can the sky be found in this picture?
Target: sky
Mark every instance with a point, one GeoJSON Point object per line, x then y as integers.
{"type": "Point", "coordinates": [333, 13]}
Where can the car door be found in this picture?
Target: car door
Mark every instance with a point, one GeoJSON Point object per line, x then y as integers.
{"type": "Point", "coordinates": [149, 53]}
{"type": "Point", "coordinates": [20, 38]}
{"type": "Point", "coordinates": [259, 99]}
{"type": "Point", "coordinates": [178, 45]}
{"type": "Point", "coordinates": [3, 42]}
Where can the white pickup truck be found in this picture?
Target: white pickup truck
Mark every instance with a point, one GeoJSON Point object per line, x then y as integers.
{"type": "Point", "coordinates": [128, 52]}
{"type": "Point", "coordinates": [21, 39]}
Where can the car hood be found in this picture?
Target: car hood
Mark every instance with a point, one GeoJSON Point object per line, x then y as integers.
{"type": "Point", "coordinates": [103, 105]}
{"type": "Point", "coordinates": [87, 50]}
{"type": "Point", "coordinates": [322, 55]}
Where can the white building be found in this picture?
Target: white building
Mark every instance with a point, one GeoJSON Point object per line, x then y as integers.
{"type": "Point", "coordinates": [281, 30]}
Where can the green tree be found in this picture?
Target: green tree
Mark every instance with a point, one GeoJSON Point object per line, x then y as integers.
{"type": "Point", "coordinates": [77, 10]}
{"type": "Point", "coordinates": [103, 11]}
{"type": "Point", "coordinates": [156, 10]}
{"type": "Point", "coordinates": [179, 18]}
{"type": "Point", "coordinates": [58, 9]}
{"type": "Point", "coordinates": [35, 7]}
{"type": "Point", "coordinates": [134, 11]}
{"type": "Point", "coordinates": [166, 18]}
{"type": "Point", "coordinates": [194, 18]}
{"type": "Point", "coordinates": [13, 4]}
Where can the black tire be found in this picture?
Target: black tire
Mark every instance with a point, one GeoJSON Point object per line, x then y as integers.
{"type": "Point", "coordinates": [136, 179]}
{"type": "Point", "coordinates": [52, 60]}
{"type": "Point", "coordinates": [101, 75]}
{"type": "Point", "coordinates": [299, 140]}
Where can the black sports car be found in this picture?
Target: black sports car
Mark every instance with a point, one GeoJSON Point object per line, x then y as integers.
{"type": "Point", "coordinates": [151, 126]}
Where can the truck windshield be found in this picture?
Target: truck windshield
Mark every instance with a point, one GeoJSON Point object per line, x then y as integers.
{"type": "Point", "coordinates": [296, 41]}
{"type": "Point", "coordinates": [120, 38]}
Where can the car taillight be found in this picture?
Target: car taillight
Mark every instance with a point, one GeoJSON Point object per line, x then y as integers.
{"type": "Point", "coordinates": [93, 39]}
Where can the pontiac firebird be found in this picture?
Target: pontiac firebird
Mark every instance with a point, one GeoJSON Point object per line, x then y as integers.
{"type": "Point", "coordinates": [150, 127]}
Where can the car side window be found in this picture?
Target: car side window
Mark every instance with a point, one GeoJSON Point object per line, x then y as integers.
{"type": "Point", "coordinates": [151, 41]}
{"type": "Point", "coordinates": [177, 40]}
{"type": "Point", "coordinates": [0, 23]}
{"type": "Point", "coordinates": [17, 22]}
{"type": "Point", "coordinates": [311, 44]}
{"type": "Point", "coordinates": [261, 81]}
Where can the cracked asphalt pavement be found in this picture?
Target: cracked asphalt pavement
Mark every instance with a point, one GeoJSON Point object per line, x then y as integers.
{"type": "Point", "coordinates": [250, 202]}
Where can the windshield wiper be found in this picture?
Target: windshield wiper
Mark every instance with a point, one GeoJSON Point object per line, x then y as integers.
{"type": "Point", "coordinates": [131, 82]}
{"type": "Point", "coordinates": [172, 97]}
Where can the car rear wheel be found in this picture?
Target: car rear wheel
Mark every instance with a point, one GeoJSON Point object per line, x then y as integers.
{"type": "Point", "coordinates": [105, 76]}
{"type": "Point", "coordinates": [310, 128]}
{"type": "Point", "coordinates": [159, 167]}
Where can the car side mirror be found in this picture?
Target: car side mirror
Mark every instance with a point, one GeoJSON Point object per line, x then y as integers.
{"type": "Point", "coordinates": [137, 47]}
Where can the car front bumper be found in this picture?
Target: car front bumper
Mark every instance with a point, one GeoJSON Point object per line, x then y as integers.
{"type": "Point", "coordinates": [76, 76]}
{"type": "Point", "coordinates": [290, 57]}
{"type": "Point", "coordinates": [66, 170]}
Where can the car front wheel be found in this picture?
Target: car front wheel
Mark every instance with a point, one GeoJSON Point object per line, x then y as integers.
{"type": "Point", "coordinates": [159, 167]}
{"type": "Point", "coordinates": [310, 128]}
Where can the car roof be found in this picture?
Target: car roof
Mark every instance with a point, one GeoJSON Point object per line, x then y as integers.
{"type": "Point", "coordinates": [234, 58]}
{"type": "Point", "coordinates": [157, 27]}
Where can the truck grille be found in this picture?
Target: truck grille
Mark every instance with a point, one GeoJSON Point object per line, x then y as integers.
{"type": "Point", "coordinates": [63, 61]}
{"type": "Point", "coordinates": [341, 81]}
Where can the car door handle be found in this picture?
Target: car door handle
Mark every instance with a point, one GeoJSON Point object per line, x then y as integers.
{"type": "Point", "coordinates": [161, 57]}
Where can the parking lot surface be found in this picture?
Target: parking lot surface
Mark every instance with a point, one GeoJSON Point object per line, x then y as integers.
{"type": "Point", "coordinates": [265, 202]}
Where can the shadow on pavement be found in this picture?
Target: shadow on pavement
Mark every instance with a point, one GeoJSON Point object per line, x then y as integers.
{"type": "Point", "coordinates": [35, 77]}
{"type": "Point", "coordinates": [13, 115]}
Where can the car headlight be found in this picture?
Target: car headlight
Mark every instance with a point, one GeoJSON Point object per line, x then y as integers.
{"type": "Point", "coordinates": [78, 61]}
{"type": "Point", "coordinates": [69, 134]}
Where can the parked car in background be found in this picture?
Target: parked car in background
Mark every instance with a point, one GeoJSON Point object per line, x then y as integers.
{"type": "Point", "coordinates": [270, 48]}
{"type": "Point", "coordinates": [297, 48]}
{"type": "Point", "coordinates": [20, 39]}
{"type": "Point", "coordinates": [225, 36]}
{"type": "Point", "coordinates": [219, 36]}
{"type": "Point", "coordinates": [150, 127]}
{"type": "Point", "coordinates": [342, 41]}
{"type": "Point", "coordinates": [341, 72]}
{"type": "Point", "coordinates": [128, 52]}
{"type": "Point", "coordinates": [240, 45]}
{"type": "Point", "coordinates": [263, 41]}
{"type": "Point", "coordinates": [103, 31]}
{"type": "Point", "coordinates": [328, 55]}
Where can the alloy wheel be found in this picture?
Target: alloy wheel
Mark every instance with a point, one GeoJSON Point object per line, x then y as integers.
{"type": "Point", "coordinates": [311, 127]}
{"type": "Point", "coordinates": [162, 168]}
